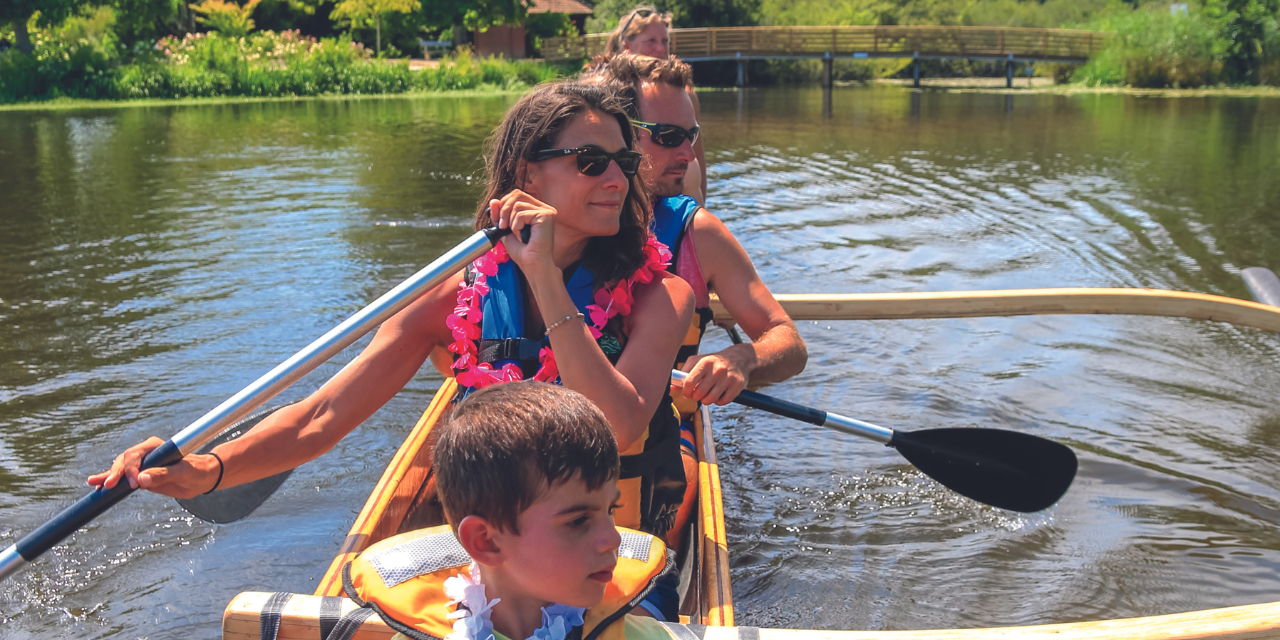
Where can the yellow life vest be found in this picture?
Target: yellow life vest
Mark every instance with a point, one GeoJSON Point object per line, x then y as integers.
{"type": "Point", "coordinates": [402, 580]}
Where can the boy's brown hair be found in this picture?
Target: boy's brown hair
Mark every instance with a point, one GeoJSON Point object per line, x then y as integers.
{"type": "Point", "coordinates": [623, 73]}
{"type": "Point", "coordinates": [506, 444]}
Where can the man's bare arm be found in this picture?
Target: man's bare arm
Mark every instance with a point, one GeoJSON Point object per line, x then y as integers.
{"type": "Point", "coordinates": [776, 352]}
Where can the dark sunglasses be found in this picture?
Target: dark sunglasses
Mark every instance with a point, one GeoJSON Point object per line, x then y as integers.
{"type": "Point", "coordinates": [669, 135]}
{"type": "Point", "coordinates": [643, 13]}
{"type": "Point", "coordinates": [594, 161]}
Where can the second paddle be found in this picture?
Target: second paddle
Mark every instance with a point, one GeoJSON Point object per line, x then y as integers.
{"type": "Point", "coordinates": [1004, 469]}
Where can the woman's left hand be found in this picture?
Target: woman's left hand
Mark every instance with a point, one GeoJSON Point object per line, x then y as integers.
{"type": "Point", "coordinates": [518, 210]}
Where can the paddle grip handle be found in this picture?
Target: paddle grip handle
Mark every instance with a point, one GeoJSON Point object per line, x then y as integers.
{"type": "Point", "coordinates": [89, 507]}
{"type": "Point", "coordinates": [782, 407]}
{"type": "Point", "coordinates": [495, 234]}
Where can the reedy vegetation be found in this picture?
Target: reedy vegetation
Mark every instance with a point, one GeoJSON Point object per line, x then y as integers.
{"type": "Point", "coordinates": [82, 58]}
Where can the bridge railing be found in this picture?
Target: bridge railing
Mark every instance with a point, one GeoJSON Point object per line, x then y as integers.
{"type": "Point", "coordinates": [1065, 45]}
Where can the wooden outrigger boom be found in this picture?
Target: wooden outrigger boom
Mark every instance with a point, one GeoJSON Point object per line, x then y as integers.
{"type": "Point", "coordinates": [1025, 302]}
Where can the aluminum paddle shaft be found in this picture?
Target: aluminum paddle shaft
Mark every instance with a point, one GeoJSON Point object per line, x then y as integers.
{"type": "Point", "coordinates": [802, 413]}
{"type": "Point", "coordinates": [251, 397]}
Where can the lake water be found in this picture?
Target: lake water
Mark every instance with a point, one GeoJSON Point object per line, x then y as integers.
{"type": "Point", "coordinates": [156, 260]}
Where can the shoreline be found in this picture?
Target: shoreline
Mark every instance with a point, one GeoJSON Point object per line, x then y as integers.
{"type": "Point", "coordinates": [60, 104]}
{"type": "Point", "coordinates": [1035, 85]}
{"type": "Point", "coordinates": [1039, 85]}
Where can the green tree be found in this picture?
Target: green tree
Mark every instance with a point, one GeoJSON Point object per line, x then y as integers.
{"type": "Point", "coordinates": [1242, 31]}
{"type": "Point", "coordinates": [462, 15]}
{"type": "Point", "coordinates": [686, 13]}
{"type": "Point", "coordinates": [227, 18]}
{"type": "Point", "coordinates": [714, 13]}
{"type": "Point", "coordinates": [361, 12]}
{"type": "Point", "coordinates": [20, 12]}
{"type": "Point", "coordinates": [148, 20]}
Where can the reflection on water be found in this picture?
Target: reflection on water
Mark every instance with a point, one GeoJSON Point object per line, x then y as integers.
{"type": "Point", "coordinates": [159, 259]}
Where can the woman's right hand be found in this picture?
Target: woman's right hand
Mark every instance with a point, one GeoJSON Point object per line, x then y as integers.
{"type": "Point", "coordinates": [516, 211]}
{"type": "Point", "coordinates": [189, 477]}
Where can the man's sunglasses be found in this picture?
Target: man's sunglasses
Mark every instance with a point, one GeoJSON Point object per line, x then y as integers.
{"type": "Point", "coordinates": [643, 13]}
{"type": "Point", "coordinates": [594, 161]}
{"type": "Point", "coordinates": [669, 135]}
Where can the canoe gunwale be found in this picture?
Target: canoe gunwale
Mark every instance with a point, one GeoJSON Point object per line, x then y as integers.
{"type": "Point", "coordinates": [391, 497]}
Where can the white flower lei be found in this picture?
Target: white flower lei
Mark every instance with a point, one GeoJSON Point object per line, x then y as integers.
{"type": "Point", "coordinates": [471, 618]}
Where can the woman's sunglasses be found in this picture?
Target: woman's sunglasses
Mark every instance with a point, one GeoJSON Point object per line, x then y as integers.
{"type": "Point", "coordinates": [669, 135]}
{"type": "Point", "coordinates": [643, 13]}
{"type": "Point", "coordinates": [594, 161]}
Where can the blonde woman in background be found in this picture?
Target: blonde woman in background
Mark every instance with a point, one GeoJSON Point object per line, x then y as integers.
{"type": "Point", "coordinates": [645, 31]}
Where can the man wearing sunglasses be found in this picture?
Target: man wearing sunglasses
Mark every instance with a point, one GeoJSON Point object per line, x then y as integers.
{"type": "Point", "coordinates": [646, 31]}
{"type": "Point", "coordinates": [704, 252]}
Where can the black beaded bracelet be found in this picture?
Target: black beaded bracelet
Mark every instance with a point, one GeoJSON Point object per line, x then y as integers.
{"type": "Point", "coordinates": [221, 468]}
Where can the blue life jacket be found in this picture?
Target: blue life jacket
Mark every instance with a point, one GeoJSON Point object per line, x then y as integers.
{"type": "Point", "coordinates": [502, 332]}
{"type": "Point", "coordinates": [651, 479]}
{"type": "Point", "coordinates": [671, 218]}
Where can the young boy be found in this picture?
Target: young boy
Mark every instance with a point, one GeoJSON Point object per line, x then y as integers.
{"type": "Point", "coordinates": [527, 474]}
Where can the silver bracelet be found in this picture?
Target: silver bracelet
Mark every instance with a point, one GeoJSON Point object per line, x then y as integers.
{"type": "Point", "coordinates": [560, 322]}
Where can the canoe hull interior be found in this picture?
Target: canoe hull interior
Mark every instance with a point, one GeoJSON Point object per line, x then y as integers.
{"type": "Point", "coordinates": [403, 500]}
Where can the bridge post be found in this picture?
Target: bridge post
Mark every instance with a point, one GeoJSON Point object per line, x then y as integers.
{"type": "Point", "coordinates": [915, 69]}
{"type": "Point", "coordinates": [827, 71]}
{"type": "Point", "coordinates": [1008, 73]}
{"type": "Point", "coordinates": [742, 71]}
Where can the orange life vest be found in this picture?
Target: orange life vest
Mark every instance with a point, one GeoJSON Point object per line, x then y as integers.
{"type": "Point", "coordinates": [402, 580]}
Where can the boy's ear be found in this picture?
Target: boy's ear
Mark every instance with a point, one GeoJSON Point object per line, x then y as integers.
{"type": "Point", "coordinates": [480, 539]}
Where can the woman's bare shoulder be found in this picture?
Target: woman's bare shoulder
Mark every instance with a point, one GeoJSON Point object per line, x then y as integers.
{"type": "Point", "coordinates": [668, 291]}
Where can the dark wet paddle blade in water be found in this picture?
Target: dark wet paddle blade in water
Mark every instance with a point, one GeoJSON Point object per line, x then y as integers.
{"type": "Point", "coordinates": [1004, 469]}
{"type": "Point", "coordinates": [234, 503]}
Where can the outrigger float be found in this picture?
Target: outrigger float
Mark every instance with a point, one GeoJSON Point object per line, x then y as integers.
{"type": "Point", "coordinates": [398, 503]}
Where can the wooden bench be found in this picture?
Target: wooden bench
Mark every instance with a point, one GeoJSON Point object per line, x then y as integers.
{"type": "Point", "coordinates": [434, 46]}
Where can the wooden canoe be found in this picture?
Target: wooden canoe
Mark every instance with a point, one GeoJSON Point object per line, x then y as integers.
{"type": "Point", "coordinates": [391, 506]}
{"type": "Point", "coordinates": [396, 505]}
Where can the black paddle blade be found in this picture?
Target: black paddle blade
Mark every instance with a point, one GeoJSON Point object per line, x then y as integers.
{"type": "Point", "coordinates": [1004, 469]}
{"type": "Point", "coordinates": [231, 504]}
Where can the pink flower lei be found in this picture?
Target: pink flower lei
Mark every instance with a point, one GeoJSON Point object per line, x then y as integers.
{"type": "Point", "coordinates": [464, 322]}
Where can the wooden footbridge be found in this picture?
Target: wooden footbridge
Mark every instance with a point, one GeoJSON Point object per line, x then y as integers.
{"type": "Point", "coordinates": [1008, 44]}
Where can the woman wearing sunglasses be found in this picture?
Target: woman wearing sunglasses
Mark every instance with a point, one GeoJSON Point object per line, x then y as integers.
{"type": "Point", "coordinates": [586, 301]}
{"type": "Point", "coordinates": [645, 31]}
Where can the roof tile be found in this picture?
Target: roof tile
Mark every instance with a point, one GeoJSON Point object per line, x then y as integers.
{"type": "Point", "coordinates": [559, 6]}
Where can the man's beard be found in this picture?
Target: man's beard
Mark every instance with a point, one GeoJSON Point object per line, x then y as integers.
{"type": "Point", "coordinates": [667, 186]}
